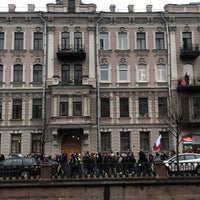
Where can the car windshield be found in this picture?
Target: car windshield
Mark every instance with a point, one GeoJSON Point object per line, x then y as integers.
{"type": "Point", "coordinates": [17, 162]}
{"type": "Point", "coordinates": [29, 161]}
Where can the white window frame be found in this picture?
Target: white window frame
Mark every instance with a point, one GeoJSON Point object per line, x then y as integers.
{"type": "Point", "coordinates": [104, 40]}
{"type": "Point", "coordinates": [141, 73]}
{"type": "Point", "coordinates": [123, 41]}
{"type": "Point", "coordinates": [121, 68]}
{"type": "Point", "coordinates": [104, 70]}
{"type": "Point", "coordinates": [161, 73]}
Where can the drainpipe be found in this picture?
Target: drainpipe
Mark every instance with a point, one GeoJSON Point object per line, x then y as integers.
{"type": "Point", "coordinates": [44, 82]}
{"type": "Point", "coordinates": [97, 83]}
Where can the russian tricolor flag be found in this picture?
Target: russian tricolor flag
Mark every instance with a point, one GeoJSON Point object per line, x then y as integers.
{"type": "Point", "coordinates": [158, 143]}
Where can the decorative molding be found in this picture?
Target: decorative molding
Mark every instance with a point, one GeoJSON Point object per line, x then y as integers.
{"type": "Point", "coordinates": [38, 29]}
{"type": "Point", "coordinates": [19, 29]}
{"type": "Point", "coordinates": [141, 53]}
{"type": "Point", "coordinates": [105, 53]}
{"type": "Point", "coordinates": [123, 53]}
{"type": "Point", "coordinates": [159, 52]}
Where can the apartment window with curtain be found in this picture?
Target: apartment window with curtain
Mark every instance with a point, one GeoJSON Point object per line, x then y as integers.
{"type": "Point", "coordinates": [142, 73]}
{"type": "Point", "coordinates": [104, 72]}
{"type": "Point", "coordinates": [15, 143]}
{"type": "Point", "coordinates": [77, 41]}
{"type": "Point", "coordinates": [37, 108]}
{"type": "Point", "coordinates": [17, 109]}
{"type": "Point", "coordinates": [141, 41]}
{"type": "Point", "coordinates": [144, 141]}
{"type": "Point", "coordinates": [196, 106]}
{"type": "Point", "coordinates": [63, 105]}
{"type": "Point", "coordinates": [105, 141]}
{"type": "Point", "coordinates": [18, 40]}
{"type": "Point", "coordinates": [123, 72]}
{"type": "Point", "coordinates": [78, 74]}
{"type": "Point", "coordinates": [160, 41]}
{"type": "Point", "coordinates": [2, 40]}
{"type": "Point", "coordinates": [65, 74]}
{"type": "Point", "coordinates": [104, 41]}
{"type": "Point", "coordinates": [125, 141]}
{"type": "Point", "coordinates": [37, 73]}
{"type": "Point", "coordinates": [36, 143]}
{"type": "Point", "coordinates": [65, 40]}
{"type": "Point", "coordinates": [122, 41]}
{"type": "Point", "coordinates": [124, 107]}
{"type": "Point", "coordinates": [143, 107]}
{"type": "Point", "coordinates": [18, 73]}
{"type": "Point", "coordinates": [165, 140]}
{"type": "Point", "coordinates": [105, 107]}
{"type": "Point", "coordinates": [1, 73]}
{"type": "Point", "coordinates": [162, 107]}
{"type": "Point", "coordinates": [38, 41]}
{"type": "Point", "coordinates": [161, 73]}
{"type": "Point", "coordinates": [77, 106]}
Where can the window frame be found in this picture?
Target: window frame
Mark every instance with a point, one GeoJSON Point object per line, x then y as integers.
{"type": "Point", "coordinates": [18, 73]}
{"type": "Point", "coordinates": [18, 41]}
{"type": "Point", "coordinates": [145, 141]}
{"type": "Point", "coordinates": [141, 40]}
{"type": "Point", "coordinates": [104, 72]}
{"type": "Point", "coordinates": [64, 103]}
{"type": "Point", "coordinates": [160, 40]}
{"type": "Point", "coordinates": [161, 73]}
{"type": "Point", "coordinates": [37, 108]}
{"type": "Point", "coordinates": [17, 109]}
{"type": "Point", "coordinates": [77, 106]}
{"type": "Point", "coordinates": [143, 107]}
{"type": "Point", "coordinates": [104, 40]}
{"type": "Point", "coordinates": [123, 41]}
{"type": "Point", "coordinates": [105, 107]}
{"type": "Point", "coordinates": [38, 41]}
{"type": "Point", "coordinates": [162, 107]}
{"type": "Point", "coordinates": [125, 143]}
{"type": "Point", "coordinates": [105, 141]}
{"type": "Point", "coordinates": [2, 41]}
{"type": "Point", "coordinates": [142, 73]}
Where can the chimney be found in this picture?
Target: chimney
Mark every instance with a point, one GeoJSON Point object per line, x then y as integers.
{"type": "Point", "coordinates": [130, 8]}
{"type": "Point", "coordinates": [31, 7]}
{"type": "Point", "coordinates": [11, 7]}
{"type": "Point", "coordinates": [112, 8]}
{"type": "Point", "coordinates": [149, 8]}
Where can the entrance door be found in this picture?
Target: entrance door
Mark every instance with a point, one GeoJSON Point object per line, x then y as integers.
{"type": "Point", "coordinates": [71, 144]}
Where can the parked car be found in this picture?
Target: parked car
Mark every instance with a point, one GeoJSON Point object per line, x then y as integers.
{"type": "Point", "coordinates": [19, 166]}
{"type": "Point", "coordinates": [188, 162]}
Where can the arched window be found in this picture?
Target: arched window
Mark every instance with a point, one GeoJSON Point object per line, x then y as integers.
{"type": "Point", "coordinates": [104, 72]}
{"type": "Point", "coordinates": [18, 73]}
{"type": "Point", "coordinates": [37, 73]}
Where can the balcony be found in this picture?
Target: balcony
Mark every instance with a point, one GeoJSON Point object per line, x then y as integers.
{"type": "Point", "coordinates": [72, 80]}
{"type": "Point", "coordinates": [191, 85]}
{"type": "Point", "coordinates": [189, 52]}
{"type": "Point", "coordinates": [71, 53]}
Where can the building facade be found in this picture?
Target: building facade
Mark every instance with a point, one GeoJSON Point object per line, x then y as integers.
{"type": "Point", "coordinates": [77, 80]}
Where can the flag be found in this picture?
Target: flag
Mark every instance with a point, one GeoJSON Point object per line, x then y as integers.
{"type": "Point", "coordinates": [158, 143]}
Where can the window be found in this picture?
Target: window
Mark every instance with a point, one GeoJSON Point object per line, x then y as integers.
{"type": "Point", "coordinates": [77, 41]}
{"type": "Point", "coordinates": [65, 41]}
{"type": "Point", "coordinates": [141, 41]}
{"type": "Point", "coordinates": [105, 107]}
{"type": "Point", "coordinates": [123, 72]}
{"type": "Point", "coordinates": [165, 141]}
{"type": "Point", "coordinates": [144, 141]}
{"type": "Point", "coordinates": [71, 6]}
{"type": "Point", "coordinates": [78, 74]}
{"type": "Point", "coordinates": [122, 41]}
{"type": "Point", "coordinates": [105, 141]}
{"type": "Point", "coordinates": [125, 141]}
{"type": "Point", "coordinates": [37, 73]}
{"type": "Point", "coordinates": [142, 73]}
{"type": "Point", "coordinates": [18, 73]}
{"type": "Point", "coordinates": [65, 73]}
{"type": "Point", "coordinates": [143, 107]}
{"type": "Point", "coordinates": [38, 41]}
{"type": "Point", "coordinates": [37, 108]}
{"type": "Point", "coordinates": [77, 106]}
{"type": "Point", "coordinates": [196, 103]}
{"type": "Point", "coordinates": [162, 107]}
{"type": "Point", "coordinates": [1, 73]}
{"type": "Point", "coordinates": [161, 73]}
{"type": "Point", "coordinates": [17, 109]}
{"type": "Point", "coordinates": [124, 107]}
{"type": "Point", "coordinates": [104, 41]}
{"type": "Point", "coordinates": [18, 44]}
{"type": "Point", "coordinates": [36, 143]}
{"type": "Point", "coordinates": [16, 143]}
{"type": "Point", "coordinates": [63, 106]}
{"type": "Point", "coordinates": [185, 109]}
{"type": "Point", "coordinates": [1, 41]}
{"type": "Point", "coordinates": [104, 72]}
{"type": "Point", "coordinates": [187, 40]}
{"type": "Point", "coordinates": [0, 108]}
{"type": "Point", "coordinates": [160, 43]}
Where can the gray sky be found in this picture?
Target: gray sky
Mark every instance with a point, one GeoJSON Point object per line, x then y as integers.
{"type": "Point", "coordinates": [102, 5]}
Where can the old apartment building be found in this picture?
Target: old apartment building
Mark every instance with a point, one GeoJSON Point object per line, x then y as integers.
{"type": "Point", "coordinates": [77, 80]}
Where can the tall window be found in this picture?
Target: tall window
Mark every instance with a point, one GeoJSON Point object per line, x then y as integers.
{"type": "Point", "coordinates": [37, 73]}
{"type": "Point", "coordinates": [105, 107]}
{"type": "Point", "coordinates": [124, 107]}
{"type": "Point", "coordinates": [187, 40]}
{"type": "Point", "coordinates": [142, 73]}
{"type": "Point", "coordinates": [19, 39]}
{"type": "Point", "coordinates": [196, 103]}
{"type": "Point", "coordinates": [162, 107]}
{"type": "Point", "coordinates": [63, 106]}
{"type": "Point", "coordinates": [77, 41]}
{"type": "Point", "coordinates": [143, 107]}
{"type": "Point", "coordinates": [165, 141]}
{"type": "Point", "coordinates": [18, 73]}
{"type": "Point", "coordinates": [105, 141]}
{"type": "Point", "coordinates": [125, 141]}
{"type": "Point", "coordinates": [17, 109]}
{"type": "Point", "coordinates": [144, 141]}
{"type": "Point", "coordinates": [1, 41]}
{"type": "Point", "coordinates": [65, 40]}
{"type": "Point", "coordinates": [122, 41]}
{"type": "Point", "coordinates": [104, 72]}
{"type": "Point", "coordinates": [0, 108]}
{"type": "Point", "coordinates": [36, 143]}
{"type": "Point", "coordinates": [78, 74]}
{"type": "Point", "coordinates": [16, 143]}
{"type": "Point", "coordinates": [38, 41]}
{"type": "Point", "coordinates": [104, 41]}
{"type": "Point", "coordinates": [123, 72]}
{"type": "Point", "coordinates": [71, 6]}
{"type": "Point", "coordinates": [161, 73]}
{"type": "Point", "coordinates": [37, 108]}
{"type": "Point", "coordinates": [185, 108]}
{"type": "Point", "coordinates": [141, 41]}
{"type": "Point", "coordinates": [77, 106]}
{"type": "Point", "coordinates": [1, 73]}
{"type": "Point", "coordinates": [160, 42]}
{"type": "Point", "coordinates": [65, 73]}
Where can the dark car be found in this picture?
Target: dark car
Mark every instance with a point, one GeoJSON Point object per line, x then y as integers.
{"type": "Point", "coordinates": [19, 167]}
